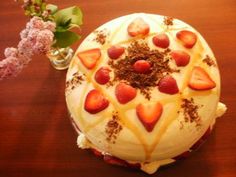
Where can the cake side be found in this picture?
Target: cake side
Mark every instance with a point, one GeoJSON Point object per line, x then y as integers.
{"type": "Point", "coordinates": [185, 115]}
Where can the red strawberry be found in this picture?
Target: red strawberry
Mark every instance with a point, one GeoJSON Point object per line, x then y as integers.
{"type": "Point", "coordinates": [89, 57]}
{"type": "Point", "coordinates": [149, 114]}
{"type": "Point", "coordinates": [102, 75]}
{"type": "Point", "coordinates": [181, 58]}
{"type": "Point", "coordinates": [96, 152]}
{"type": "Point", "coordinates": [134, 165]}
{"type": "Point", "coordinates": [188, 38]}
{"type": "Point", "coordinates": [125, 93]}
{"type": "Point", "coordinates": [182, 156]}
{"type": "Point", "coordinates": [200, 80]}
{"type": "Point", "coordinates": [138, 27]}
{"type": "Point", "coordinates": [168, 85]}
{"type": "Point", "coordinates": [142, 66]}
{"type": "Point", "coordinates": [161, 40]}
{"type": "Point", "coordinates": [115, 52]}
{"type": "Point", "coordinates": [115, 161]}
{"type": "Point", "coordinates": [95, 102]}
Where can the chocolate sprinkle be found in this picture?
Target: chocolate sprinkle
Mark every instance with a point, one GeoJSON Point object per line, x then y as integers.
{"type": "Point", "coordinates": [75, 81]}
{"type": "Point", "coordinates": [101, 36]}
{"type": "Point", "coordinates": [123, 68]}
{"type": "Point", "coordinates": [113, 128]}
{"type": "Point", "coordinates": [168, 21]}
{"type": "Point", "coordinates": [209, 61]}
{"type": "Point", "coordinates": [190, 111]}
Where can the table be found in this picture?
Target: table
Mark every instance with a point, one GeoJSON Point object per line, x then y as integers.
{"type": "Point", "coordinates": [36, 136]}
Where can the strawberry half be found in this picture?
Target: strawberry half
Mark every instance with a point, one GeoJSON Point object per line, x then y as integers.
{"type": "Point", "coordinates": [125, 93]}
{"type": "Point", "coordinates": [161, 40]}
{"type": "Point", "coordinates": [168, 85]}
{"type": "Point", "coordinates": [96, 152]}
{"type": "Point", "coordinates": [138, 27]}
{"type": "Point", "coordinates": [142, 66]}
{"type": "Point", "coordinates": [115, 161]}
{"type": "Point", "coordinates": [149, 114]}
{"type": "Point", "coordinates": [188, 38]}
{"type": "Point", "coordinates": [115, 52]}
{"type": "Point", "coordinates": [181, 58]}
{"type": "Point", "coordinates": [200, 80]}
{"type": "Point", "coordinates": [89, 57]}
{"type": "Point", "coordinates": [102, 75]}
{"type": "Point", "coordinates": [95, 102]}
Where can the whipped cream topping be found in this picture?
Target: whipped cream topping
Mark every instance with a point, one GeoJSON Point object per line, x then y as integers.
{"type": "Point", "coordinates": [172, 134]}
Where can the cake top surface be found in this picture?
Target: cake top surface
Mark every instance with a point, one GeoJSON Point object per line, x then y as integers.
{"type": "Point", "coordinates": [143, 87]}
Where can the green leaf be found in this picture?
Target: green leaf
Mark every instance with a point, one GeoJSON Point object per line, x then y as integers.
{"type": "Point", "coordinates": [43, 6]}
{"type": "Point", "coordinates": [72, 14]}
{"type": "Point", "coordinates": [65, 39]}
{"type": "Point", "coordinates": [37, 1]}
{"type": "Point", "coordinates": [27, 12]}
{"type": "Point", "coordinates": [53, 8]}
{"type": "Point", "coordinates": [61, 29]}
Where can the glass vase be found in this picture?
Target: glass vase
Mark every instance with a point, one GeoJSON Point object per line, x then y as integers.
{"type": "Point", "coordinates": [60, 57]}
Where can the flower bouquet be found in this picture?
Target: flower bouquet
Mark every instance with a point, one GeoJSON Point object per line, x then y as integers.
{"type": "Point", "coordinates": [49, 29]}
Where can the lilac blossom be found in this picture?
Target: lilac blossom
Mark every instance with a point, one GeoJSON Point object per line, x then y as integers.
{"type": "Point", "coordinates": [43, 42]}
{"type": "Point", "coordinates": [25, 47]}
{"type": "Point", "coordinates": [11, 51]}
{"type": "Point", "coordinates": [35, 23]}
{"type": "Point", "coordinates": [50, 26]}
{"type": "Point", "coordinates": [10, 67]}
{"type": "Point", "coordinates": [37, 38]}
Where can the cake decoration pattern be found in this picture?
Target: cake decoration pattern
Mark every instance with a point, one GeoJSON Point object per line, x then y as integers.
{"type": "Point", "coordinates": [148, 76]}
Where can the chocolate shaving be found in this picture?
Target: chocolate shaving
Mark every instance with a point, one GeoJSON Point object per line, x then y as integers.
{"type": "Point", "coordinates": [168, 21]}
{"type": "Point", "coordinates": [209, 61]}
{"type": "Point", "coordinates": [123, 68]}
{"type": "Point", "coordinates": [190, 111]}
{"type": "Point", "coordinates": [113, 128]}
{"type": "Point", "coordinates": [75, 81]}
{"type": "Point", "coordinates": [101, 36]}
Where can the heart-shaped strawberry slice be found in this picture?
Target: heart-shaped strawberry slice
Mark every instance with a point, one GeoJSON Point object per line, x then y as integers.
{"type": "Point", "coordinates": [181, 58]}
{"type": "Point", "coordinates": [200, 80]}
{"type": "Point", "coordinates": [168, 85]}
{"type": "Point", "coordinates": [188, 38]}
{"type": "Point", "coordinates": [142, 66]}
{"type": "Point", "coordinates": [95, 102]}
{"type": "Point", "coordinates": [161, 40]}
{"type": "Point", "coordinates": [125, 93]}
{"type": "Point", "coordinates": [149, 114]}
{"type": "Point", "coordinates": [138, 27]}
{"type": "Point", "coordinates": [89, 57]}
{"type": "Point", "coordinates": [115, 51]}
{"type": "Point", "coordinates": [102, 75]}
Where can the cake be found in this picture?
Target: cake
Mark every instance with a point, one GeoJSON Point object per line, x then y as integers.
{"type": "Point", "coordinates": [143, 91]}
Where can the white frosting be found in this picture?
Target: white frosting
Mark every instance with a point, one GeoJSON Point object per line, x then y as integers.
{"type": "Point", "coordinates": [135, 144]}
{"type": "Point", "coordinates": [221, 109]}
{"type": "Point", "coordinates": [83, 142]}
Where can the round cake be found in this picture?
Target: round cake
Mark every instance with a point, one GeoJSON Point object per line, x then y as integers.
{"type": "Point", "coordinates": [143, 91]}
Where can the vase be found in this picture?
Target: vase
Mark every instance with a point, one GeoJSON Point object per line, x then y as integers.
{"type": "Point", "coordinates": [60, 57]}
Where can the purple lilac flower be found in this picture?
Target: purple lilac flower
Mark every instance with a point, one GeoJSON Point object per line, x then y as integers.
{"type": "Point", "coordinates": [9, 67]}
{"type": "Point", "coordinates": [11, 51]}
{"type": "Point", "coordinates": [37, 38]}
{"type": "Point", "coordinates": [43, 42]}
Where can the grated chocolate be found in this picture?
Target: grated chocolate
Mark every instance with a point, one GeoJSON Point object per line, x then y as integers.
{"type": "Point", "coordinates": [113, 128]}
{"type": "Point", "coordinates": [139, 50]}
